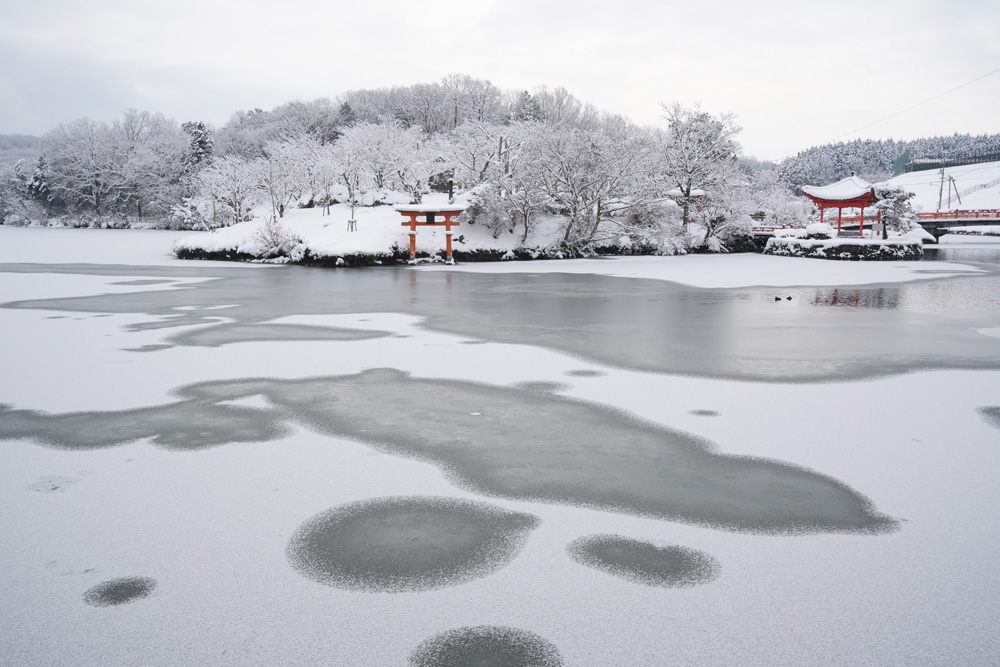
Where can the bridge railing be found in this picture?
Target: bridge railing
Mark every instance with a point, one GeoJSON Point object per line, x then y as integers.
{"type": "Point", "coordinates": [959, 215]}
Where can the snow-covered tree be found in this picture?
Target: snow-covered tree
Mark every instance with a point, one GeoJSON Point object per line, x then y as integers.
{"type": "Point", "coordinates": [150, 163]}
{"type": "Point", "coordinates": [471, 149]}
{"type": "Point", "coordinates": [285, 171]}
{"type": "Point", "coordinates": [391, 155]}
{"type": "Point", "coordinates": [772, 200]}
{"type": "Point", "coordinates": [229, 188]}
{"type": "Point", "coordinates": [526, 109]}
{"type": "Point", "coordinates": [897, 209]}
{"type": "Point", "coordinates": [698, 153]}
{"type": "Point", "coordinates": [726, 210]}
{"type": "Point", "coordinates": [346, 165]}
{"type": "Point", "coordinates": [82, 158]}
{"type": "Point", "coordinates": [201, 145]}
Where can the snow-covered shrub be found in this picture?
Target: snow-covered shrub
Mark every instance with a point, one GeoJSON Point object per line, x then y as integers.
{"type": "Point", "coordinates": [488, 209]}
{"type": "Point", "coordinates": [820, 230]}
{"type": "Point", "coordinates": [273, 240]}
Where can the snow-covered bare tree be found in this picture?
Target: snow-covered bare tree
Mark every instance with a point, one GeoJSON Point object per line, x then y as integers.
{"type": "Point", "coordinates": [230, 188]}
{"type": "Point", "coordinates": [285, 171]}
{"type": "Point", "coordinates": [150, 164]}
{"type": "Point", "coordinates": [471, 149]}
{"type": "Point", "coordinates": [697, 153]}
{"type": "Point", "coordinates": [392, 155]}
{"type": "Point", "coordinates": [82, 159]}
{"type": "Point", "coordinates": [772, 200]}
{"type": "Point", "coordinates": [472, 100]}
{"type": "Point", "coordinates": [726, 209]}
{"type": "Point", "coordinates": [346, 163]}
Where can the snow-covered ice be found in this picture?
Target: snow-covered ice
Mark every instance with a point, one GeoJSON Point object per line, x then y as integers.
{"type": "Point", "coordinates": [211, 526]}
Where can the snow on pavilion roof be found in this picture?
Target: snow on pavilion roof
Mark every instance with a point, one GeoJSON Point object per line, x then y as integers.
{"type": "Point", "coordinates": [849, 188]}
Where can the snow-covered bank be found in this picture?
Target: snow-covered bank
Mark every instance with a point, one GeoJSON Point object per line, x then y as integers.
{"type": "Point", "coordinates": [379, 232]}
{"type": "Point", "coordinates": [894, 249]}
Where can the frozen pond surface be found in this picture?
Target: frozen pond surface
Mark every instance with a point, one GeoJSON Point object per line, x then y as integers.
{"type": "Point", "coordinates": [397, 466]}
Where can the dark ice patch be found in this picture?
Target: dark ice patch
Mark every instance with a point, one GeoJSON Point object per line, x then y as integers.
{"type": "Point", "coordinates": [119, 591]}
{"type": "Point", "coordinates": [497, 441]}
{"type": "Point", "coordinates": [143, 282]}
{"type": "Point", "coordinates": [704, 413]}
{"type": "Point", "coordinates": [486, 646]}
{"type": "Point", "coordinates": [644, 563]}
{"type": "Point", "coordinates": [186, 425]}
{"type": "Point", "coordinates": [991, 415]}
{"type": "Point", "coordinates": [225, 334]}
{"type": "Point", "coordinates": [147, 348]}
{"type": "Point", "coordinates": [398, 544]}
{"type": "Point", "coordinates": [541, 386]}
{"type": "Point", "coordinates": [584, 373]}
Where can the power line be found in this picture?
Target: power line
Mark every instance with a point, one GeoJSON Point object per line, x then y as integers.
{"type": "Point", "coordinates": [917, 104]}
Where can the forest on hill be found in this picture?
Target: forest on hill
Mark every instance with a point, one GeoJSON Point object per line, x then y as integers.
{"type": "Point", "coordinates": [522, 153]}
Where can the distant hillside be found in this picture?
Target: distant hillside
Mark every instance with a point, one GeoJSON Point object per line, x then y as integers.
{"type": "Point", "coordinates": [14, 147]}
{"type": "Point", "coordinates": [964, 188]}
{"type": "Point", "coordinates": [872, 160]}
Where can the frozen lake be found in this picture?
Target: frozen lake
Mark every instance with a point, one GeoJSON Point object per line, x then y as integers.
{"type": "Point", "coordinates": [231, 465]}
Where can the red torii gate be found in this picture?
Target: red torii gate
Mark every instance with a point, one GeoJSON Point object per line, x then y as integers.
{"type": "Point", "coordinates": [430, 215]}
{"type": "Point", "coordinates": [851, 192]}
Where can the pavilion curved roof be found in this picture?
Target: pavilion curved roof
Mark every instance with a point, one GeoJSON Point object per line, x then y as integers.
{"type": "Point", "coordinates": [851, 190]}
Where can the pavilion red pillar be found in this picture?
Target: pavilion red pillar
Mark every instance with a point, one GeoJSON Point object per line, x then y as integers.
{"type": "Point", "coordinates": [840, 212]}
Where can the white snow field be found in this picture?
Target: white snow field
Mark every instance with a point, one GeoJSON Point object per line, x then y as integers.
{"type": "Point", "coordinates": [212, 525]}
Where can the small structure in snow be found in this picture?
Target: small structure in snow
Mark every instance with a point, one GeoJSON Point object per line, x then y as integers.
{"type": "Point", "coordinates": [851, 192]}
{"type": "Point", "coordinates": [430, 215]}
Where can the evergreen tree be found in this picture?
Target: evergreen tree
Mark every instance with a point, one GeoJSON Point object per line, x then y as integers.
{"type": "Point", "coordinates": [201, 145]}
{"type": "Point", "coordinates": [527, 108]}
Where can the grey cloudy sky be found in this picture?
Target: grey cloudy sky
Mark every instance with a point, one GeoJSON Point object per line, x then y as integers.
{"type": "Point", "coordinates": [797, 74]}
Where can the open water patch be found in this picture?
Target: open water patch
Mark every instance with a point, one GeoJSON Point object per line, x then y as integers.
{"type": "Point", "coordinates": [119, 591]}
{"type": "Point", "coordinates": [486, 646]}
{"type": "Point", "coordinates": [399, 544]}
{"type": "Point", "coordinates": [643, 562]}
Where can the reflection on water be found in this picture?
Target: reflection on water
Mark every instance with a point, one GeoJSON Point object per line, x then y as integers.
{"type": "Point", "coordinates": [962, 254]}
{"type": "Point", "coordinates": [769, 334]}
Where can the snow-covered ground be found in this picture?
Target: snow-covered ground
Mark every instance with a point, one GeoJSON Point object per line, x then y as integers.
{"type": "Point", "coordinates": [211, 526]}
{"type": "Point", "coordinates": [983, 179]}
{"type": "Point", "coordinates": [378, 229]}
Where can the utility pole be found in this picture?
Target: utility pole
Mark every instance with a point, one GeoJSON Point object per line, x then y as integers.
{"type": "Point", "coordinates": [941, 189]}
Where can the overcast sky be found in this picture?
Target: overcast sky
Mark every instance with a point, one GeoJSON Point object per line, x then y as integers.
{"type": "Point", "coordinates": [797, 74]}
